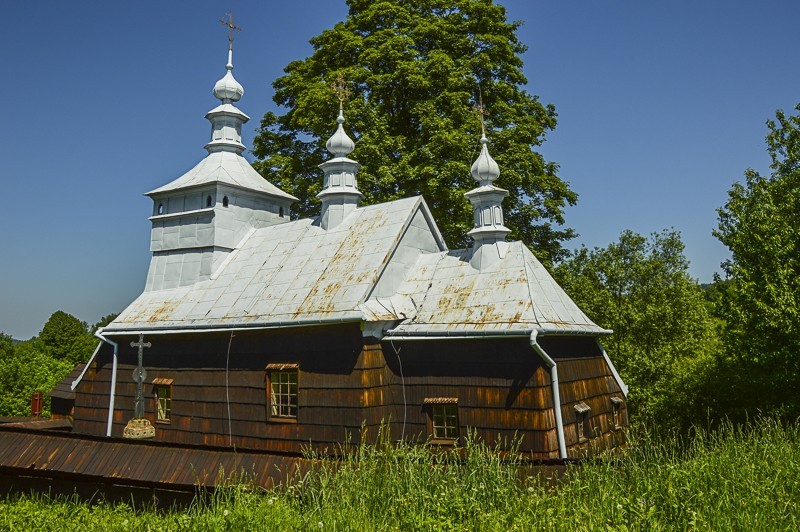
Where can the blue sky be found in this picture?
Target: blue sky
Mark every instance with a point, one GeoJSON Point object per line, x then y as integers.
{"type": "Point", "coordinates": [661, 108]}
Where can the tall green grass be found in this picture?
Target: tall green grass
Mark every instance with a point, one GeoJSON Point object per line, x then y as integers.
{"type": "Point", "coordinates": [733, 478]}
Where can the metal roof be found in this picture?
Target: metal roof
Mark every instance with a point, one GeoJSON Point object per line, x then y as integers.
{"type": "Point", "coordinates": [298, 273]}
{"type": "Point", "coordinates": [224, 167]}
{"type": "Point", "coordinates": [514, 294]}
{"type": "Point", "coordinates": [291, 272]}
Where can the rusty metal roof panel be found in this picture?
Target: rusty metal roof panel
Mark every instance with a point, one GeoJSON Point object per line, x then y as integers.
{"type": "Point", "coordinates": [295, 270]}
{"type": "Point", "coordinates": [516, 293]}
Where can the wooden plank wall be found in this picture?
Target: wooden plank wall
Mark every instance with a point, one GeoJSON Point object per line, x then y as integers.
{"type": "Point", "coordinates": [584, 377]}
{"type": "Point", "coordinates": [348, 383]}
{"type": "Point", "coordinates": [502, 387]}
{"type": "Point", "coordinates": [329, 403]}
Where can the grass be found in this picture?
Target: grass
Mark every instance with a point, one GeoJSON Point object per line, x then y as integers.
{"type": "Point", "coordinates": [733, 478]}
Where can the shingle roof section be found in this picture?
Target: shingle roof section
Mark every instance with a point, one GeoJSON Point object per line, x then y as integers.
{"type": "Point", "coordinates": [224, 167]}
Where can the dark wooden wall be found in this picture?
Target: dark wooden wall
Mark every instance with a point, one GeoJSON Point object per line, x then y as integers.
{"type": "Point", "coordinates": [348, 383]}
{"type": "Point", "coordinates": [502, 387]}
{"type": "Point", "coordinates": [584, 377]}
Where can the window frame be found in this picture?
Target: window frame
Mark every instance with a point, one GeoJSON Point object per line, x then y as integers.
{"type": "Point", "coordinates": [582, 429]}
{"type": "Point", "coordinates": [158, 385]}
{"type": "Point", "coordinates": [444, 409]}
{"type": "Point", "coordinates": [273, 370]}
{"type": "Point", "coordinates": [616, 412]}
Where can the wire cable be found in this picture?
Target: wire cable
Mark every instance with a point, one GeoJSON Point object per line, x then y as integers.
{"type": "Point", "coordinates": [227, 393]}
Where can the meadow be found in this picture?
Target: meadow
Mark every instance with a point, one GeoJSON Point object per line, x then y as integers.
{"type": "Point", "coordinates": [744, 477]}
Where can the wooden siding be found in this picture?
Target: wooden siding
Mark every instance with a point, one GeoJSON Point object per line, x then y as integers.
{"type": "Point", "coordinates": [503, 391]}
{"type": "Point", "coordinates": [347, 384]}
{"type": "Point", "coordinates": [589, 380]}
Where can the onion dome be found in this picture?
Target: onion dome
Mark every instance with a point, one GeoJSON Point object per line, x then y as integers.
{"type": "Point", "coordinates": [485, 168]}
{"type": "Point", "coordinates": [340, 144]}
{"type": "Point", "coordinates": [340, 195]}
{"type": "Point", "coordinates": [228, 89]}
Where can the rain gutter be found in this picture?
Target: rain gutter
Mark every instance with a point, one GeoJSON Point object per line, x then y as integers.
{"type": "Point", "coordinates": [99, 334]}
{"type": "Point", "coordinates": [205, 328]}
{"type": "Point", "coordinates": [562, 446]}
{"type": "Point", "coordinates": [622, 386]}
{"type": "Point", "coordinates": [86, 367]}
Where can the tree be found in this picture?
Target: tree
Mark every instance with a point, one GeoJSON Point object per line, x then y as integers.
{"type": "Point", "coordinates": [105, 320]}
{"type": "Point", "coordinates": [759, 225]}
{"type": "Point", "coordinates": [65, 337]}
{"type": "Point", "coordinates": [27, 371]}
{"type": "Point", "coordinates": [415, 69]}
{"type": "Point", "coordinates": [665, 342]}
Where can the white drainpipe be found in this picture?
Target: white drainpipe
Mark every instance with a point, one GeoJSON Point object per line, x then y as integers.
{"type": "Point", "coordinates": [113, 380]}
{"type": "Point", "coordinates": [562, 446]}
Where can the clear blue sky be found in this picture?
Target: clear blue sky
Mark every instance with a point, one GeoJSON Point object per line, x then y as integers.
{"type": "Point", "coordinates": [661, 108]}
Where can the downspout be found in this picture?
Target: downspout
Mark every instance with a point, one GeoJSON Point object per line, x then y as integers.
{"type": "Point", "coordinates": [562, 446]}
{"type": "Point", "coordinates": [114, 344]}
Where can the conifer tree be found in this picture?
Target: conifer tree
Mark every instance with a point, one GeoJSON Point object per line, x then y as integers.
{"type": "Point", "coordinates": [415, 69]}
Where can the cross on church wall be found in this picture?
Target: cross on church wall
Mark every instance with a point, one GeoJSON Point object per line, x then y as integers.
{"type": "Point", "coordinates": [139, 375]}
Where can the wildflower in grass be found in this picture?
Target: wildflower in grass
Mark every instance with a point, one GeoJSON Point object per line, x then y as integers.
{"type": "Point", "coordinates": [319, 524]}
{"type": "Point", "coordinates": [271, 501]}
{"type": "Point", "coordinates": [225, 513]}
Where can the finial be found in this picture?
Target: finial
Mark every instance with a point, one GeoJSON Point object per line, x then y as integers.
{"type": "Point", "coordinates": [340, 144]}
{"type": "Point", "coordinates": [228, 89]}
{"type": "Point", "coordinates": [231, 27]}
{"type": "Point", "coordinates": [481, 110]}
{"type": "Point", "coordinates": [484, 169]}
{"type": "Point", "coordinates": [341, 91]}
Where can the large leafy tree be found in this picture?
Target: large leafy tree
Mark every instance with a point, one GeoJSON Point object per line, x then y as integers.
{"type": "Point", "coordinates": [760, 224]}
{"type": "Point", "coordinates": [415, 68]}
{"type": "Point", "coordinates": [65, 337]}
{"type": "Point", "coordinates": [665, 342]}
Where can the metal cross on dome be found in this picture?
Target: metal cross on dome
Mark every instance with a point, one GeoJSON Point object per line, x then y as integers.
{"type": "Point", "coordinates": [230, 25]}
{"type": "Point", "coordinates": [481, 110]}
{"type": "Point", "coordinates": [340, 90]}
{"type": "Point", "coordinates": [139, 376]}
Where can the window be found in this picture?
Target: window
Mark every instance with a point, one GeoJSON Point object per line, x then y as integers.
{"type": "Point", "coordinates": [163, 395]}
{"type": "Point", "coordinates": [582, 411]}
{"type": "Point", "coordinates": [225, 201]}
{"type": "Point", "coordinates": [282, 391]}
{"type": "Point", "coordinates": [443, 417]}
{"type": "Point", "coordinates": [160, 208]}
{"type": "Point", "coordinates": [208, 201]}
{"type": "Point", "coordinates": [616, 411]}
{"type": "Point", "coordinates": [280, 212]}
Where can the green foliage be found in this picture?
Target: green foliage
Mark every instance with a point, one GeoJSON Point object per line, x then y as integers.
{"type": "Point", "coordinates": [414, 68]}
{"type": "Point", "coordinates": [735, 478]}
{"type": "Point", "coordinates": [64, 337]}
{"type": "Point", "coordinates": [38, 364]}
{"type": "Point", "coordinates": [27, 371]}
{"type": "Point", "coordinates": [105, 320]}
{"type": "Point", "coordinates": [759, 224]}
{"type": "Point", "coordinates": [665, 342]}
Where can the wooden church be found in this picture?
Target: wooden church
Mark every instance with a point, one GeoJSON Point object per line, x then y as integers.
{"type": "Point", "coordinates": [265, 335]}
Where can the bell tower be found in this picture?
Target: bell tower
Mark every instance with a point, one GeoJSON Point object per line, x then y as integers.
{"type": "Point", "coordinates": [207, 213]}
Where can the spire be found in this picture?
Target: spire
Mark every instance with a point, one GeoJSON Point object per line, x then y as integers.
{"type": "Point", "coordinates": [488, 232]}
{"type": "Point", "coordinates": [340, 195]}
{"type": "Point", "coordinates": [228, 89]}
{"type": "Point", "coordinates": [226, 119]}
